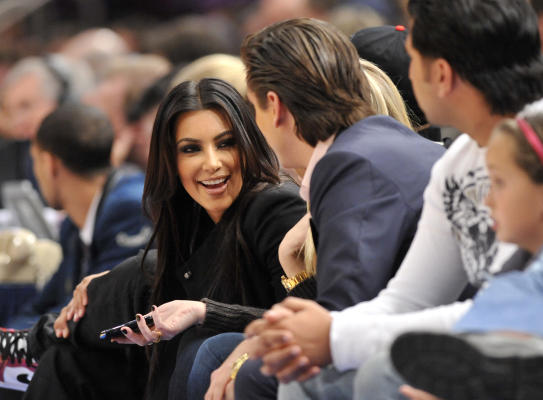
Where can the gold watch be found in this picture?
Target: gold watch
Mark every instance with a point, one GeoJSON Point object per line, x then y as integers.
{"type": "Point", "coordinates": [291, 283]}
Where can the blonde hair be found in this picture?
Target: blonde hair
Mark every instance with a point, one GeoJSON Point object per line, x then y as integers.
{"type": "Point", "coordinates": [384, 95]}
{"type": "Point", "coordinates": [385, 100]}
{"type": "Point", "coordinates": [221, 66]}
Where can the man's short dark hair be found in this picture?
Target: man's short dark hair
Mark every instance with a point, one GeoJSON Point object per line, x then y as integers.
{"type": "Point", "coordinates": [492, 44]}
{"type": "Point", "coordinates": [80, 135]}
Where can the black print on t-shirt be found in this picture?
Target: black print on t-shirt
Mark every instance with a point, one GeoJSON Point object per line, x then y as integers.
{"type": "Point", "coordinates": [463, 200]}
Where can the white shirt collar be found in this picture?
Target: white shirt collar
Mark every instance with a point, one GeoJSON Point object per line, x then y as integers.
{"type": "Point", "coordinates": [86, 233]}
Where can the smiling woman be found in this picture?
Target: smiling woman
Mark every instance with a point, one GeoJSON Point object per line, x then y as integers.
{"type": "Point", "coordinates": [219, 210]}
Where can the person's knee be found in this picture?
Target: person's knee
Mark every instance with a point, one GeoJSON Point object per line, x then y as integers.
{"type": "Point", "coordinates": [377, 379]}
{"type": "Point", "coordinates": [217, 348]}
{"type": "Point", "coordinates": [291, 391]}
{"type": "Point", "coordinates": [251, 384]}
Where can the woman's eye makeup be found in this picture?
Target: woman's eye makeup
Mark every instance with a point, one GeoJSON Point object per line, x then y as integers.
{"type": "Point", "coordinates": [228, 142]}
{"type": "Point", "coordinates": [193, 147]}
{"type": "Point", "coordinates": [189, 148]}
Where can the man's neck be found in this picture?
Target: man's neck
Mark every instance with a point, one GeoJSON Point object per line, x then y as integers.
{"type": "Point", "coordinates": [472, 114]}
{"type": "Point", "coordinates": [81, 198]}
{"type": "Point", "coordinates": [481, 129]}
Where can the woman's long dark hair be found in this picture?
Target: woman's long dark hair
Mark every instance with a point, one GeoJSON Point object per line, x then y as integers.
{"type": "Point", "coordinates": [174, 213]}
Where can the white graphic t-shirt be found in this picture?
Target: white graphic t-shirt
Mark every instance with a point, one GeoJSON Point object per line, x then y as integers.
{"type": "Point", "coordinates": [454, 245]}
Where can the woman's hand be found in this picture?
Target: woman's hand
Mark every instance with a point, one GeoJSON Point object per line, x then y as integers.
{"type": "Point", "coordinates": [221, 386]}
{"type": "Point", "coordinates": [75, 309]}
{"type": "Point", "coordinates": [170, 319]}
{"type": "Point", "coordinates": [290, 256]}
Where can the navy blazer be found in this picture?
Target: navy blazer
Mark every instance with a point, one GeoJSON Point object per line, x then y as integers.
{"type": "Point", "coordinates": [120, 230]}
{"type": "Point", "coordinates": [366, 196]}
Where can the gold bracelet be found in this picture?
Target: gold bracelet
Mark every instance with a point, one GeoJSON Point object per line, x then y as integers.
{"type": "Point", "coordinates": [237, 365]}
{"type": "Point", "coordinates": [291, 283]}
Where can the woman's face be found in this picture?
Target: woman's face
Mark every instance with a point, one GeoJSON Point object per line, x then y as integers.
{"type": "Point", "coordinates": [208, 161]}
{"type": "Point", "coordinates": [515, 200]}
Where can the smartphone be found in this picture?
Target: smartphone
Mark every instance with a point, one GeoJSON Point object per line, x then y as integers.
{"type": "Point", "coordinates": [116, 331]}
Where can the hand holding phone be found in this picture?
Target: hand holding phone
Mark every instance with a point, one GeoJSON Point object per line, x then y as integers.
{"type": "Point", "coordinates": [114, 332]}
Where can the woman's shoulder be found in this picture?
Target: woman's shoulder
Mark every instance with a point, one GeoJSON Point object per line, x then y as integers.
{"type": "Point", "coordinates": [273, 199]}
{"type": "Point", "coordinates": [269, 193]}
{"type": "Point", "coordinates": [135, 262]}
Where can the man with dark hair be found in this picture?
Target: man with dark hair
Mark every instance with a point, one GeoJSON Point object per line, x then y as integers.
{"type": "Point", "coordinates": [105, 224]}
{"type": "Point", "coordinates": [472, 63]}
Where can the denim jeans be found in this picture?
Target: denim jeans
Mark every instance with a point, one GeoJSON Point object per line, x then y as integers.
{"type": "Point", "coordinates": [375, 380]}
{"type": "Point", "coordinates": [251, 384]}
{"type": "Point", "coordinates": [328, 384]}
{"type": "Point", "coordinates": [209, 357]}
{"type": "Point", "coordinates": [378, 380]}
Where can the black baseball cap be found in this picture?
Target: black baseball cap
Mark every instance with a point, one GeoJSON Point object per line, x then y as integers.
{"type": "Point", "coordinates": [385, 47]}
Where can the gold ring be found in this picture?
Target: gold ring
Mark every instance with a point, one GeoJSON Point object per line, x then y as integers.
{"type": "Point", "coordinates": [159, 336]}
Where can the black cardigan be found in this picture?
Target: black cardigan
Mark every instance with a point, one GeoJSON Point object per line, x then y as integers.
{"type": "Point", "coordinates": [115, 297]}
{"type": "Point", "coordinates": [270, 215]}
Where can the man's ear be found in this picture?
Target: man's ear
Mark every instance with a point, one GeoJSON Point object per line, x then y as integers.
{"type": "Point", "coordinates": [277, 108]}
{"type": "Point", "coordinates": [444, 77]}
{"type": "Point", "coordinates": [51, 163]}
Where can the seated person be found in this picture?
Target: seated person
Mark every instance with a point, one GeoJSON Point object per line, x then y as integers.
{"type": "Point", "coordinates": [105, 221]}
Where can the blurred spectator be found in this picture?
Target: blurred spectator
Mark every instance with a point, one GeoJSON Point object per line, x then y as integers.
{"type": "Point", "coordinates": [351, 18]}
{"type": "Point", "coordinates": [29, 91]}
{"type": "Point", "coordinates": [71, 155]}
{"type": "Point", "coordinates": [125, 79]}
{"type": "Point", "coordinates": [95, 46]}
{"type": "Point", "coordinates": [394, 11]}
{"type": "Point", "coordinates": [141, 117]}
{"type": "Point", "coordinates": [222, 66]}
{"type": "Point", "coordinates": [268, 12]}
{"type": "Point", "coordinates": [187, 38]}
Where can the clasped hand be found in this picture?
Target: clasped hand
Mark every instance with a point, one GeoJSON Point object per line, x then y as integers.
{"type": "Point", "coordinates": [293, 339]}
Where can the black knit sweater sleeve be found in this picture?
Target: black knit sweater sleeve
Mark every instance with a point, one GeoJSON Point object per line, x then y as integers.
{"type": "Point", "coordinates": [222, 317]}
{"type": "Point", "coordinates": [306, 289]}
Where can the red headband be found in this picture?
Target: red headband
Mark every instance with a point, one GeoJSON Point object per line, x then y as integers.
{"type": "Point", "coordinates": [531, 137]}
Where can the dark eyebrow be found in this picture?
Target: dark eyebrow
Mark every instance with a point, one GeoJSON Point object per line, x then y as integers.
{"type": "Point", "coordinates": [219, 136]}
